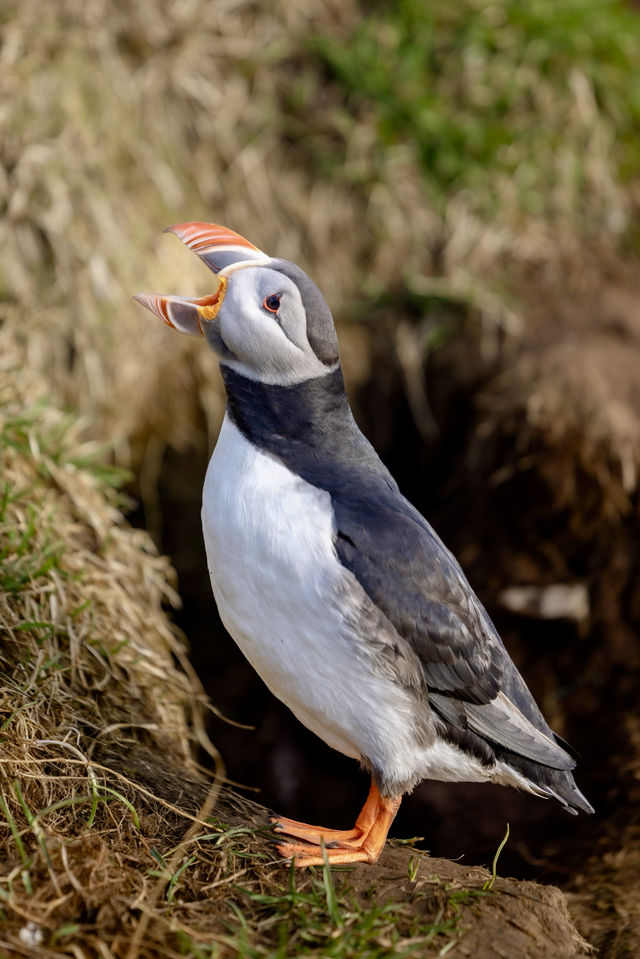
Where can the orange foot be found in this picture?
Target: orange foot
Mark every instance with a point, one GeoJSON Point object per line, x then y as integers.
{"type": "Point", "coordinates": [363, 843]}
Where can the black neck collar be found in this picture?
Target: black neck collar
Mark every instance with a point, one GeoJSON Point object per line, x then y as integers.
{"type": "Point", "coordinates": [308, 426]}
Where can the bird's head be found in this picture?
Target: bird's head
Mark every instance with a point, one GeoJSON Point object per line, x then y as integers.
{"type": "Point", "coordinates": [267, 320]}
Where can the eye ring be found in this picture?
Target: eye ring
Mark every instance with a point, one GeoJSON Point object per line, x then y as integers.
{"type": "Point", "coordinates": [271, 303]}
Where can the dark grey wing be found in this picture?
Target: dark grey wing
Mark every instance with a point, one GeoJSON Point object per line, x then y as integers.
{"type": "Point", "coordinates": [411, 576]}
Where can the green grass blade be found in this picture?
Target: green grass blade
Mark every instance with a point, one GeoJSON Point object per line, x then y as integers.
{"type": "Point", "coordinates": [488, 886]}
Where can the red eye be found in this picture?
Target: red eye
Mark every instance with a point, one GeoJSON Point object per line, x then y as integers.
{"type": "Point", "coordinates": [271, 303]}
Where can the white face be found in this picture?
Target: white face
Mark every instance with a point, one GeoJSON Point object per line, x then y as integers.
{"type": "Point", "coordinates": [263, 323]}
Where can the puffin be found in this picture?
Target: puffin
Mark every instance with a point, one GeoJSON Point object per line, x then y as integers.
{"type": "Point", "coordinates": [337, 590]}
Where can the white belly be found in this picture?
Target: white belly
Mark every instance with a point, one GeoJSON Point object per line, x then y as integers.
{"type": "Point", "coordinates": [281, 593]}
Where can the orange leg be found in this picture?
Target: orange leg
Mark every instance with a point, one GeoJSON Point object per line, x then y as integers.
{"type": "Point", "coordinates": [363, 843]}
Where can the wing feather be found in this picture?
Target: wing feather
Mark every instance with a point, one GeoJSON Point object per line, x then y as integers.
{"type": "Point", "coordinates": [410, 575]}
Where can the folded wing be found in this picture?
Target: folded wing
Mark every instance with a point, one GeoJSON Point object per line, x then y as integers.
{"type": "Point", "coordinates": [406, 570]}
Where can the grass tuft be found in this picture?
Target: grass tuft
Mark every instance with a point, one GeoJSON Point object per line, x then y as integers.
{"type": "Point", "coordinates": [488, 886]}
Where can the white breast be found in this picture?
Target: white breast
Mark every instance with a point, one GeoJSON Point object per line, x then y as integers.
{"type": "Point", "coordinates": [282, 595]}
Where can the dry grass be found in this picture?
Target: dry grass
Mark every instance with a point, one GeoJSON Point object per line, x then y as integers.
{"type": "Point", "coordinates": [514, 127]}
{"type": "Point", "coordinates": [119, 119]}
{"type": "Point", "coordinates": [75, 577]}
{"type": "Point", "coordinates": [116, 124]}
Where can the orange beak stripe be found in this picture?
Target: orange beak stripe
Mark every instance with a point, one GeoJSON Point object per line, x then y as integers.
{"type": "Point", "coordinates": [202, 237]}
{"type": "Point", "coordinates": [185, 314]}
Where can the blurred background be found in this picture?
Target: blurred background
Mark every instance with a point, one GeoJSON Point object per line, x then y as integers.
{"type": "Point", "coordinates": [463, 183]}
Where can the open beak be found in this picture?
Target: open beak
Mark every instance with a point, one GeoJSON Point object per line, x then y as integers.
{"type": "Point", "coordinates": [222, 250]}
{"type": "Point", "coordinates": [184, 313]}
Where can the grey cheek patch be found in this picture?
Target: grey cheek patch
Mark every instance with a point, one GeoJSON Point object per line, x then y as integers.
{"type": "Point", "coordinates": [320, 332]}
{"type": "Point", "coordinates": [293, 324]}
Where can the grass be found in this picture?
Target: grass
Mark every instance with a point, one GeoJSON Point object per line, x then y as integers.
{"type": "Point", "coordinates": [220, 896]}
{"type": "Point", "coordinates": [542, 99]}
{"type": "Point", "coordinates": [59, 524]}
{"type": "Point", "coordinates": [488, 886]}
{"type": "Point", "coordinates": [87, 650]}
{"type": "Point", "coordinates": [324, 915]}
{"type": "Point", "coordinates": [325, 920]}
{"type": "Point", "coordinates": [317, 914]}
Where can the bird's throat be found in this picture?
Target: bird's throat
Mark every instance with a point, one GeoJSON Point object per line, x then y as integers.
{"type": "Point", "coordinates": [262, 410]}
{"type": "Point", "coordinates": [307, 426]}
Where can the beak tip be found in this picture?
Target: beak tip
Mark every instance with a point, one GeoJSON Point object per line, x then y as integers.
{"type": "Point", "coordinates": [148, 300]}
{"type": "Point", "coordinates": [155, 304]}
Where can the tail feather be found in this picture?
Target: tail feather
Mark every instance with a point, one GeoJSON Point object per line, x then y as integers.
{"type": "Point", "coordinates": [572, 800]}
{"type": "Point", "coordinates": [542, 781]}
